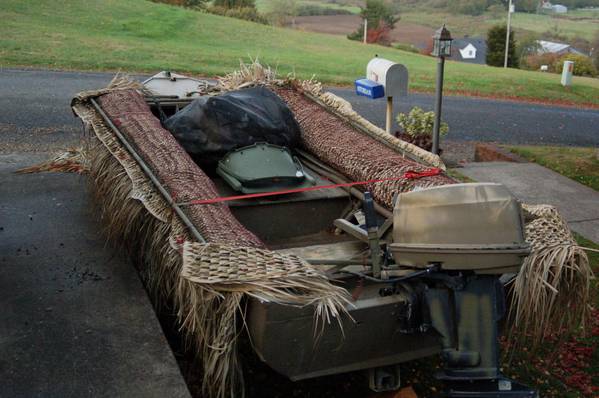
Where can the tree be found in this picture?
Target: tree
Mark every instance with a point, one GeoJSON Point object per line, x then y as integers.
{"type": "Point", "coordinates": [380, 16]}
{"type": "Point", "coordinates": [496, 47]}
{"type": "Point", "coordinates": [377, 12]}
{"type": "Point", "coordinates": [595, 50]}
{"type": "Point", "coordinates": [496, 11]}
{"type": "Point", "coordinates": [581, 44]}
{"type": "Point", "coordinates": [526, 5]}
{"type": "Point", "coordinates": [526, 46]}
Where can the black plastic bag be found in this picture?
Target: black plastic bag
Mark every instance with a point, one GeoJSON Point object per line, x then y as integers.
{"type": "Point", "coordinates": [210, 127]}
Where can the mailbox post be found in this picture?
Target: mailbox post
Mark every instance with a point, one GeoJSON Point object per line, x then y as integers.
{"type": "Point", "coordinates": [384, 78]}
{"type": "Point", "coordinates": [567, 73]}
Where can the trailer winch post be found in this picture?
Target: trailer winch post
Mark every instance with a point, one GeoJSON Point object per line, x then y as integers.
{"type": "Point", "coordinates": [373, 235]}
{"type": "Point", "coordinates": [389, 119]}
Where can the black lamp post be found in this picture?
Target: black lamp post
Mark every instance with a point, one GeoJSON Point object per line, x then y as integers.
{"type": "Point", "coordinates": [441, 49]}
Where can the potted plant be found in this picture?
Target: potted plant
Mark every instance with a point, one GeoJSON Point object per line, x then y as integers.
{"type": "Point", "coordinates": [416, 127]}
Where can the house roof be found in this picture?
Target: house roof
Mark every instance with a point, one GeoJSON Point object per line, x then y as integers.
{"type": "Point", "coordinates": [557, 48]}
{"type": "Point", "coordinates": [478, 42]}
{"type": "Point", "coordinates": [552, 47]}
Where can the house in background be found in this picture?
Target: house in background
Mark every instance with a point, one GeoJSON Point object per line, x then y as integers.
{"type": "Point", "coordinates": [547, 7]}
{"type": "Point", "coordinates": [469, 49]}
{"type": "Point", "coordinates": [550, 47]}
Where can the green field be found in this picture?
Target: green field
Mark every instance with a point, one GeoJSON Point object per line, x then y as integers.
{"type": "Point", "coordinates": [460, 24]}
{"type": "Point", "coordinates": [142, 36]}
{"type": "Point", "coordinates": [583, 13]}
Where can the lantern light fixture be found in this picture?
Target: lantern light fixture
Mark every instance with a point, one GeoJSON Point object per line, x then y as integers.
{"type": "Point", "coordinates": [442, 42]}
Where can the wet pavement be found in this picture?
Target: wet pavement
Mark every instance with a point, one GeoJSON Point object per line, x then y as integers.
{"type": "Point", "coordinates": [36, 114]}
{"type": "Point", "coordinates": [75, 320]}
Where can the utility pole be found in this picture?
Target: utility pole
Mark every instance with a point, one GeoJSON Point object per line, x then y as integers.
{"type": "Point", "coordinates": [507, 36]}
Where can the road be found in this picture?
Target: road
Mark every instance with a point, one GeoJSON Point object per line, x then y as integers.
{"type": "Point", "coordinates": [478, 119]}
{"type": "Point", "coordinates": [35, 114]}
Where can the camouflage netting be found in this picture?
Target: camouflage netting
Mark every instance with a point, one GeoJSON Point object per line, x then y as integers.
{"type": "Point", "coordinates": [206, 282]}
{"type": "Point", "coordinates": [174, 168]}
{"type": "Point", "coordinates": [197, 279]}
{"type": "Point", "coordinates": [350, 152]}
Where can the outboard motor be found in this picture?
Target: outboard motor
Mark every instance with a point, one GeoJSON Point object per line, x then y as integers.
{"type": "Point", "coordinates": [471, 234]}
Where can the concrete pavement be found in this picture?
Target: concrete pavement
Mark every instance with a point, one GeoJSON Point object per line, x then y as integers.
{"type": "Point", "coordinates": [535, 184]}
{"type": "Point", "coordinates": [75, 320]}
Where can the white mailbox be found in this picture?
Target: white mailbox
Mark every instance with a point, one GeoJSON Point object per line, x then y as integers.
{"type": "Point", "coordinates": [393, 76]}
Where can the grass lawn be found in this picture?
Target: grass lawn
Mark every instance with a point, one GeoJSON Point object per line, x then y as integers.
{"type": "Point", "coordinates": [142, 36]}
{"type": "Point", "coordinates": [580, 164]}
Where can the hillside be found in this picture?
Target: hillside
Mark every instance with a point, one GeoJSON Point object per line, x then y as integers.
{"type": "Point", "coordinates": [521, 22]}
{"type": "Point", "coordinates": [139, 35]}
{"type": "Point", "coordinates": [579, 23]}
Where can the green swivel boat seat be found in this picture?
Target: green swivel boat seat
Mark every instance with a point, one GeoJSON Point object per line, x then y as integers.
{"type": "Point", "coordinates": [263, 167]}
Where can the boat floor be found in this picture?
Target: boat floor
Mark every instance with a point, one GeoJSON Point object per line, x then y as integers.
{"type": "Point", "coordinates": [348, 250]}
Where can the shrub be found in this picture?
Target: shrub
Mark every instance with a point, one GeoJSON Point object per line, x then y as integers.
{"type": "Point", "coordinates": [428, 48]}
{"type": "Point", "coordinates": [316, 9]}
{"type": "Point", "coordinates": [234, 3]}
{"type": "Point", "coordinates": [534, 61]}
{"type": "Point", "coordinates": [183, 3]}
{"type": "Point", "coordinates": [583, 65]}
{"type": "Point", "coordinates": [245, 13]}
{"type": "Point", "coordinates": [380, 35]}
{"type": "Point", "coordinates": [418, 123]}
{"type": "Point", "coordinates": [406, 47]}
